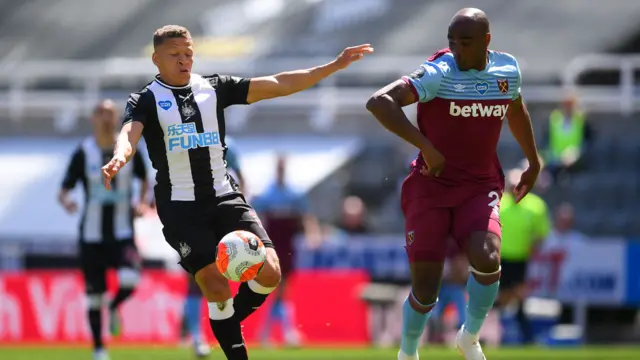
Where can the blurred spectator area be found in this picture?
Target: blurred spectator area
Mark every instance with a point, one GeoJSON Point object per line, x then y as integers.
{"type": "Point", "coordinates": [95, 29]}
{"type": "Point", "coordinates": [59, 57]}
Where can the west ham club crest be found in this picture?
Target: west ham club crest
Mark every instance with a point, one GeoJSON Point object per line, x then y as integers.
{"type": "Point", "coordinates": [410, 237]}
{"type": "Point", "coordinates": [503, 85]}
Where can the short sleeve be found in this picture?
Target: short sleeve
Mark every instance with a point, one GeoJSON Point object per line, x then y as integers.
{"type": "Point", "coordinates": [517, 89]}
{"type": "Point", "coordinates": [425, 81]}
{"type": "Point", "coordinates": [138, 107]}
{"type": "Point", "coordinates": [231, 90]}
{"type": "Point", "coordinates": [139, 166]}
{"type": "Point", "coordinates": [75, 170]}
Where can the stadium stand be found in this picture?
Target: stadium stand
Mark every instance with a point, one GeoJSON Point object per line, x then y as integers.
{"type": "Point", "coordinates": [419, 27]}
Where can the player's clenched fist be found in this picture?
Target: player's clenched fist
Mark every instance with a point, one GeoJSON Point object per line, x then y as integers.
{"type": "Point", "coordinates": [111, 169]}
{"type": "Point", "coordinates": [352, 54]}
{"type": "Point", "coordinates": [434, 161]}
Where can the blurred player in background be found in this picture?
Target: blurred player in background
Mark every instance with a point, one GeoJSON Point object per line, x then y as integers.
{"type": "Point", "coordinates": [192, 313]}
{"type": "Point", "coordinates": [566, 137]}
{"type": "Point", "coordinates": [285, 213]}
{"type": "Point", "coordinates": [106, 226]}
{"type": "Point", "coordinates": [181, 116]}
{"type": "Point", "coordinates": [464, 93]}
{"type": "Point", "coordinates": [524, 227]}
{"type": "Point", "coordinates": [452, 291]}
{"type": "Point", "coordinates": [191, 319]}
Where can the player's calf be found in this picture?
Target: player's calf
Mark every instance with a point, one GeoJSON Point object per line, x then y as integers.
{"type": "Point", "coordinates": [225, 326]}
{"type": "Point", "coordinates": [252, 294]}
{"type": "Point", "coordinates": [128, 279]}
{"type": "Point", "coordinates": [483, 249]}
{"type": "Point", "coordinates": [416, 310]}
{"type": "Point", "coordinates": [94, 313]}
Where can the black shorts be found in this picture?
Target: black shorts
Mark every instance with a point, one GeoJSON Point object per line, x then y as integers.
{"type": "Point", "coordinates": [513, 274]}
{"type": "Point", "coordinates": [96, 258]}
{"type": "Point", "coordinates": [194, 228]}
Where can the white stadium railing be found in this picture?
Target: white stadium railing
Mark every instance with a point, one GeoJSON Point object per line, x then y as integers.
{"type": "Point", "coordinates": [93, 77]}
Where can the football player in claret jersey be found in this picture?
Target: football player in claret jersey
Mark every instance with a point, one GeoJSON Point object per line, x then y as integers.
{"type": "Point", "coordinates": [464, 94]}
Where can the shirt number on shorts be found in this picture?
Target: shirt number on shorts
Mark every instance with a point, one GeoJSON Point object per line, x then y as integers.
{"type": "Point", "coordinates": [494, 203]}
{"type": "Point", "coordinates": [495, 196]}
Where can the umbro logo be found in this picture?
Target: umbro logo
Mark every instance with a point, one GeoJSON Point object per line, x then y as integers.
{"type": "Point", "coordinates": [185, 97]}
{"type": "Point", "coordinates": [459, 87]}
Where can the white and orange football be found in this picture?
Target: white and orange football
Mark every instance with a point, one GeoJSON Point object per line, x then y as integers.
{"type": "Point", "coordinates": [240, 256]}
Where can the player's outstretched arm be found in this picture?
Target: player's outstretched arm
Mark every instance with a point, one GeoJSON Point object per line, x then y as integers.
{"type": "Point", "coordinates": [124, 150]}
{"type": "Point", "coordinates": [522, 130]}
{"type": "Point", "coordinates": [291, 82]}
{"type": "Point", "coordinates": [386, 105]}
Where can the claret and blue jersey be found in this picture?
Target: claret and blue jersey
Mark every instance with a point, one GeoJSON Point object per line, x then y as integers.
{"type": "Point", "coordinates": [461, 112]}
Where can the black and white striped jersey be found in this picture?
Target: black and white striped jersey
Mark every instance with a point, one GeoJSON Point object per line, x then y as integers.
{"type": "Point", "coordinates": [184, 129]}
{"type": "Point", "coordinates": [107, 214]}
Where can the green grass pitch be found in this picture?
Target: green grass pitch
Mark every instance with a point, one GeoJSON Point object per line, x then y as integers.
{"type": "Point", "coordinates": [165, 353]}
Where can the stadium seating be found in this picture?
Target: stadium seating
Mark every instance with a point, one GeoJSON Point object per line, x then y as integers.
{"type": "Point", "coordinates": [35, 27]}
{"type": "Point", "coordinates": [96, 29]}
{"type": "Point", "coordinates": [31, 29]}
{"type": "Point", "coordinates": [419, 27]}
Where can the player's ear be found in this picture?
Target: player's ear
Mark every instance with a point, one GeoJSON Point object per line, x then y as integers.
{"type": "Point", "coordinates": [488, 39]}
{"type": "Point", "coordinates": [154, 58]}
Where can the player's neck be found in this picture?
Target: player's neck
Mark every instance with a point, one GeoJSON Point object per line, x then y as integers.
{"type": "Point", "coordinates": [480, 66]}
{"type": "Point", "coordinates": [167, 81]}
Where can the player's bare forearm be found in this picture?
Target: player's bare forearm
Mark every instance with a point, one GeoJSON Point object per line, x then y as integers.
{"type": "Point", "coordinates": [66, 202]}
{"type": "Point", "coordinates": [386, 105]}
{"type": "Point", "coordinates": [128, 140]}
{"type": "Point", "coordinates": [289, 82]}
{"type": "Point", "coordinates": [522, 130]}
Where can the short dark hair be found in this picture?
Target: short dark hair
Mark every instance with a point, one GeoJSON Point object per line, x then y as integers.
{"type": "Point", "coordinates": [170, 32]}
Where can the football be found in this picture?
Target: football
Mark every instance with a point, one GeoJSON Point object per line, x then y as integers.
{"type": "Point", "coordinates": [240, 256]}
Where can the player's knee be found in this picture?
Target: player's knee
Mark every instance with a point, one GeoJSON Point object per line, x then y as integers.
{"type": "Point", "coordinates": [95, 301]}
{"type": "Point", "coordinates": [128, 278]}
{"type": "Point", "coordinates": [214, 286]}
{"type": "Point", "coordinates": [426, 293]}
{"type": "Point", "coordinates": [426, 282]}
{"type": "Point", "coordinates": [270, 275]}
{"type": "Point", "coordinates": [484, 252]}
